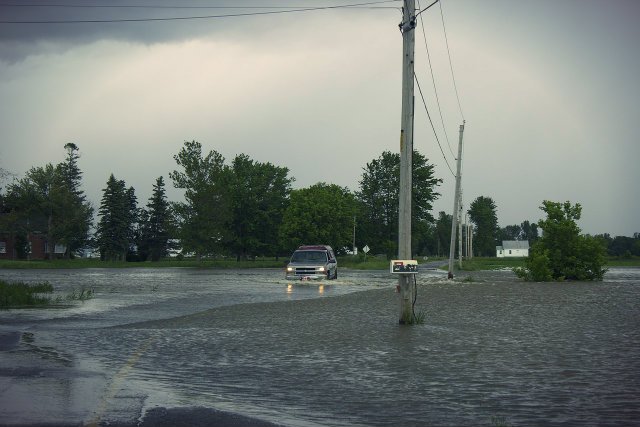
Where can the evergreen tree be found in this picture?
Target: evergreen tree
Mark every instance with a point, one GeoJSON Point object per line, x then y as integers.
{"type": "Point", "coordinates": [74, 216]}
{"type": "Point", "coordinates": [114, 227]}
{"type": "Point", "coordinates": [155, 223]}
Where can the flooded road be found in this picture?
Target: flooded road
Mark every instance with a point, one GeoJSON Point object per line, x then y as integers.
{"type": "Point", "coordinates": [493, 350]}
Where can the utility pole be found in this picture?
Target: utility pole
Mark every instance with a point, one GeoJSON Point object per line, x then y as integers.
{"type": "Point", "coordinates": [456, 203]}
{"type": "Point", "coordinates": [405, 281]}
{"type": "Point", "coordinates": [355, 250]}
{"type": "Point", "coordinates": [460, 209]}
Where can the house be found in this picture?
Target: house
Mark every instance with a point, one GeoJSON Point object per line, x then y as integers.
{"type": "Point", "coordinates": [513, 249]}
{"type": "Point", "coordinates": [37, 247]}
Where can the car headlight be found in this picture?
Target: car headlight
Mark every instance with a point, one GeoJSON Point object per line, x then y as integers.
{"type": "Point", "coordinates": [320, 268]}
{"type": "Point", "coordinates": [289, 269]}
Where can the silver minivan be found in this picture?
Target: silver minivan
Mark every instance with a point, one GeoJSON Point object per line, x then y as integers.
{"type": "Point", "coordinates": [312, 262]}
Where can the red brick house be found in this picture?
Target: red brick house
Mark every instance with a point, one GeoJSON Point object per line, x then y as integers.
{"type": "Point", "coordinates": [37, 244]}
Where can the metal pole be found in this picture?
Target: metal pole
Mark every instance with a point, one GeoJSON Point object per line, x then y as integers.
{"type": "Point", "coordinates": [354, 236]}
{"type": "Point", "coordinates": [405, 281]}
{"type": "Point", "coordinates": [456, 201]}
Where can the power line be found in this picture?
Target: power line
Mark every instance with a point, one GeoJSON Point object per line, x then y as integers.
{"type": "Point", "coordinates": [157, 6]}
{"type": "Point", "coordinates": [450, 63]}
{"type": "Point", "coordinates": [432, 127]}
{"type": "Point", "coordinates": [177, 18]}
{"type": "Point", "coordinates": [433, 79]}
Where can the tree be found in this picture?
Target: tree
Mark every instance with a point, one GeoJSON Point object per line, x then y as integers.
{"type": "Point", "coordinates": [562, 253]}
{"type": "Point", "coordinates": [75, 213]}
{"type": "Point", "coordinates": [510, 232]}
{"type": "Point", "coordinates": [529, 232]}
{"type": "Point", "coordinates": [35, 202]}
{"type": "Point", "coordinates": [155, 222]}
{"type": "Point", "coordinates": [443, 232]}
{"type": "Point", "coordinates": [321, 214]}
{"type": "Point", "coordinates": [49, 200]}
{"type": "Point", "coordinates": [378, 201]}
{"type": "Point", "coordinates": [259, 196]}
{"type": "Point", "coordinates": [114, 231]}
{"type": "Point", "coordinates": [204, 216]}
{"type": "Point", "coordinates": [483, 215]}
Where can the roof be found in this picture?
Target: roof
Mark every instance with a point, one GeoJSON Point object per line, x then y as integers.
{"type": "Point", "coordinates": [515, 244]}
{"type": "Point", "coordinates": [314, 248]}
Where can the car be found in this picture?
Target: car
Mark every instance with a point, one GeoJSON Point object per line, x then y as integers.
{"type": "Point", "coordinates": [312, 262]}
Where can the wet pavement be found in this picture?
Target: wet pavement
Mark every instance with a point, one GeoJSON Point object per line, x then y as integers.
{"type": "Point", "coordinates": [203, 347]}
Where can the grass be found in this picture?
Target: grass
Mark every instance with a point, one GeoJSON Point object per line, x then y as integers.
{"type": "Point", "coordinates": [96, 263]}
{"type": "Point", "coordinates": [476, 264]}
{"type": "Point", "coordinates": [352, 262]}
{"type": "Point", "coordinates": [22, 295]}
{"type": "Point", "coordinates": [18, 294]}
{"type": "Point", "coordinates": [633, 261]}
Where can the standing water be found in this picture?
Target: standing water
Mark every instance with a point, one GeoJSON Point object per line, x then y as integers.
{"type": "Point", "coordinates": [493, 350]}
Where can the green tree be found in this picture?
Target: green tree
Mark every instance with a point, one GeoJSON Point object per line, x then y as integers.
{"type": "Point", "coordinates": [35, 203]}
{"type": "Point", "coordinates": [529, 232]}
{"type": "Point", "coordinates": [510, 232]}
{"type": "Point", "coordinates": [155, 223]}
{"type": "Point", "coordinates": [49, 200]}
{"type": "Point", "coordinates": [73, 224]}
{"type": "Point", "coordinates": [204, 216]}
{"type": "Point", "coordinates": [443, 233]}
{"type": "Point", "coordinates": [378, 202]}
{"type": "Point", "coordinates": [114, 230]}
{"type": "Point", "coordinates": [562, 253]}
{"type": "Point", "coordinates": [321, 214]}
{"type": "Point", "coordinates": [482, 213]}
{"type": "Point", "coordinates": [259, 195]}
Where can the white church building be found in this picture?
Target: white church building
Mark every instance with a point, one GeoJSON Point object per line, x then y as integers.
{"type": "Point", "coordinates": [513, 248]}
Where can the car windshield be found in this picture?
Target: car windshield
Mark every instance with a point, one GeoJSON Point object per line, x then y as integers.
{"type": "Point", "coordinates": [309, 256]}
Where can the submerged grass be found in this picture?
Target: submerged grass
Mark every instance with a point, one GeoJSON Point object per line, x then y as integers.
{"type": "Point", "coordinates": [19, 294]}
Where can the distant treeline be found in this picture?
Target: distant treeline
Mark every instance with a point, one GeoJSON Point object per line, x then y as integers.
{"type": "Point", "coordinates": [243, 208]}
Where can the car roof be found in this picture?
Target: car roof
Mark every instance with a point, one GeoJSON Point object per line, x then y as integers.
{"type": "Point", "coordinates": [315, 248]}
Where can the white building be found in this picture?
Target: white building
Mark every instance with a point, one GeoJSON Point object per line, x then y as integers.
{"type": "Point", "coordinates": [513, 249]}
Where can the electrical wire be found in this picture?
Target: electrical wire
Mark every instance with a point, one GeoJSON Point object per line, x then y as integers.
{"type": "Point", "coordinates": [150, 6]}
{"type": "Point", "coordinates": [432, 127]}
{"type": "Point", "coordinates": [433, 79]}
{"type": "Point", "coordinates": [177, 18]}
{"type": "Point", "coordinates": [424, 10]}
{"type": "Point", "coordinates": [450, 63]}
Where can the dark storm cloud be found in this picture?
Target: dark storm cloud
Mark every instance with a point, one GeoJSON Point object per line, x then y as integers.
{"type": "Point", "coordinates": [18, 40]}
{"type": "Point", "coordinates": [29, 27]}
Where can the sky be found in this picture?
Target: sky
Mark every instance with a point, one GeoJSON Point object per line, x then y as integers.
{"type": "Point", "coordinates": [548, 90]}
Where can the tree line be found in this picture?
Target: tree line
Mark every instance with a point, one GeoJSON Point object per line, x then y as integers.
{"type": "Point", "coordinates": [243, 208]}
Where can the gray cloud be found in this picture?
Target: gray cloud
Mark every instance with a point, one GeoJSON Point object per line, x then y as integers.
{"type": "Point", "coordinates": [547, 89]}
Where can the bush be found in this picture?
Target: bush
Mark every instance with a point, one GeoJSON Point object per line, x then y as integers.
{"type": "Point", "coordinates": [563, 253]}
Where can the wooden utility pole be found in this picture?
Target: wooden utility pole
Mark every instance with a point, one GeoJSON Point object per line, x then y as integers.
{"type": "Point", "coordinates": [405, 281]}
{"type": "Point", "coordinates": [456, 204]}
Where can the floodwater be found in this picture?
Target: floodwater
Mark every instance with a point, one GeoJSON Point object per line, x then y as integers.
{"type": "Point", "coordinates": [493, 350]}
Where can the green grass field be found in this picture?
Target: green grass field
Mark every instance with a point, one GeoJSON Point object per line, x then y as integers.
{"type": "Point", "coordinates": [356, 263]}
